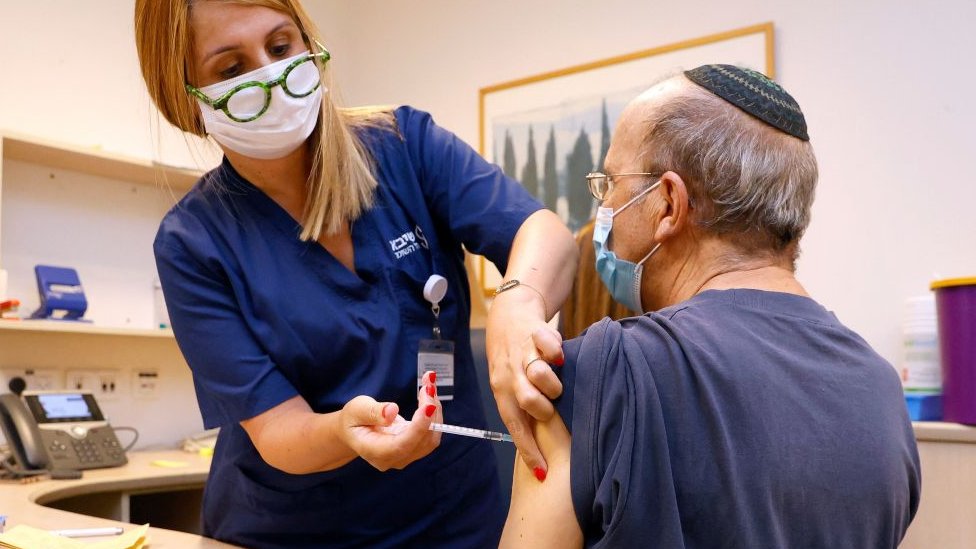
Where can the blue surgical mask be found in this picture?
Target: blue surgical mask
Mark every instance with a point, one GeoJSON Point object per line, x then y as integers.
{"type": "Point", "coordinates": [621, 277]}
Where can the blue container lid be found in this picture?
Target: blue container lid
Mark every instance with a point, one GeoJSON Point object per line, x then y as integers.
{"type": "Point", "coordinates": [924, 406]}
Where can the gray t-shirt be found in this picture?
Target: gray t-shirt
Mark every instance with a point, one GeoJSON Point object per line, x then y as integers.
{"type": "Point", "coordinates": [738, 418]}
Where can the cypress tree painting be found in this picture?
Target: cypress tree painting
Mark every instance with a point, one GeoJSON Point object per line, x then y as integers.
{"type": "Point", "coordinates": [549, 129]}
{"type": "Point", "coordinates": [579, 161]}
{"type": "Point", "coordinates": [550, 151]}
{"type": "Point", "coordinates": [550, 177]}
{"type": "Point", "coordinates": [605, 135]}
{"type": "Point", "coordinates": [508, 164]}
{"type": "Point", "coordinates": [530, 172]}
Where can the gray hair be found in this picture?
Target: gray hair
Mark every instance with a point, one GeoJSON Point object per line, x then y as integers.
{"type": "Point", "coordinates": [747, 180]}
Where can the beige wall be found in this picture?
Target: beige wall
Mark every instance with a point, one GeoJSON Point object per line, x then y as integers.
{"type": "Point", "coordinates": [884, 86]}
{"type": "Point", "coordinates": [70, 74]}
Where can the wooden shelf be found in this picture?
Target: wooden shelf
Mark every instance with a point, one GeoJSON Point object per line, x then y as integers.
{"type": "Point", "coordinates": [68, 327]}
{"type": "Point", "coordinates": [95, 162]}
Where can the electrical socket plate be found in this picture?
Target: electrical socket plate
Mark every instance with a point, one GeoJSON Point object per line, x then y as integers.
{"type": "Point", "coordinates": [37, 379]}
{"type": "Point", "coordinates": [104, 384]}
{"type": "Point", "coordinates": [145, 383]}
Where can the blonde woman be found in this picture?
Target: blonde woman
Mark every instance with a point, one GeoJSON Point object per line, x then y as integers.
{"type": "Point", "coordinates": [298, 279]}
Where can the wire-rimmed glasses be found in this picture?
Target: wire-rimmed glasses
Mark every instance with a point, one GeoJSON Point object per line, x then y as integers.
{"type": "Point", "coordinates": [249, 100]}
{"type": "Point", "coordinates": [601, 184]}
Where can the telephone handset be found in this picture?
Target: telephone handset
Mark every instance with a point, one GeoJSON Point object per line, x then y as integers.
{"type": "Point", "coordinates": [22, 434]}
{"type": "Point", "coordinates": [58, 430]}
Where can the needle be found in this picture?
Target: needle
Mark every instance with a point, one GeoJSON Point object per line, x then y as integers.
{"type": "Point", "coordinates": [469, 432]}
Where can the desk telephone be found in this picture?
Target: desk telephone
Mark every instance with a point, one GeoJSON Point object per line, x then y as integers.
{"type": "Point", "coordinates": [58, 430]}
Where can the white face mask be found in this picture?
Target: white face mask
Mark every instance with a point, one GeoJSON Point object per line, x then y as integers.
{"type": "Point", "coordinates": [283, 127]}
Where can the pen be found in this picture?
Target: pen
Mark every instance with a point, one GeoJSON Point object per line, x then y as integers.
{"type": "Point", "coordinates": [88, 532]}
{"type": "Point", "coordinates": [469, 432]}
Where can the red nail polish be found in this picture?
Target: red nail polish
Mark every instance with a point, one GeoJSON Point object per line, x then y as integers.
{"type": "Point", "coordinates": [431, 390]}
{"type": "Point", "coordinates": [433, 377]}
{"type": "Point", "coordinates": [540, 473]}
{"type": "Point", "coordinates": [559, 361]}
{"type": "Point", "coordinates": [430, 411]}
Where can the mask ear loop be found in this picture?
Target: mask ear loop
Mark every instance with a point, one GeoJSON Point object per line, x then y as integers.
{"type": "Point", "coordinates": [635, 199]}
{"type": "Point", "coordinates": [639, 271]}
{"type": "Point", "coordinates": [650, 253]}
{"type": "Point", "coordinates": [631, 201]}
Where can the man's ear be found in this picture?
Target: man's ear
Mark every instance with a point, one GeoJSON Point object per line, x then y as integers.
{"type": "Point", "coordinates": [674, 218]}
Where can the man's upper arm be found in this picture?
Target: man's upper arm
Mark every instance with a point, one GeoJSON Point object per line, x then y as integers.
{"type": "Point", "coordinates": [541, 513]}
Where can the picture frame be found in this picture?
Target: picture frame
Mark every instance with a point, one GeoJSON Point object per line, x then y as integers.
{"type": "Point", "coordinates": [549, 130]}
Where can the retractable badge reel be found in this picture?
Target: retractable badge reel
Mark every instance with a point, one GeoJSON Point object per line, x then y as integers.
{"type": "Point", "coordinates": [437, 354]}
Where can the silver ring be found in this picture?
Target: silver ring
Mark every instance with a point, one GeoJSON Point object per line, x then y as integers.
{"type": "Point", "coordinates": [529, 363]}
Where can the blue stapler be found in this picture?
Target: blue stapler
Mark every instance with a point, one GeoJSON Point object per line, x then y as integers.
{"type": "Point", "coordinates": [62, 297]}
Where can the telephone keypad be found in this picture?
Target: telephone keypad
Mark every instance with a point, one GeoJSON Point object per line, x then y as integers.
{"type": "Point", "coordinates": [98, 448]}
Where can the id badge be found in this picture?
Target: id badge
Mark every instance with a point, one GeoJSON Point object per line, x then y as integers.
{"type": "Point", "coordinates": [437, 355]}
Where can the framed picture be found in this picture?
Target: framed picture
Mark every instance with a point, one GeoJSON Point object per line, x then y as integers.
{"type": "Point", "coordinates": [549, 130]}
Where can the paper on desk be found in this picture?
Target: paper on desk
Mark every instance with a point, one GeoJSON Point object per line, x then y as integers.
{"type": "Point", "coordinates": [28, 537]}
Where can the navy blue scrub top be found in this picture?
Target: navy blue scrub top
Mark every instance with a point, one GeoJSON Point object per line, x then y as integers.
{"type": "Point", "coordinates": [261, 316]}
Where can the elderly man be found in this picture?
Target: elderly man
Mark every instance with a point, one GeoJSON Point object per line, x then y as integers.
{"type": "Point", "coordinates": [741, 413]}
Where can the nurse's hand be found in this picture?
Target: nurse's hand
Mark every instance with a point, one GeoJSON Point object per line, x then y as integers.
{"type": "Point", "coordinates": [378, 434]}
{"type": "Point", "coordinates": [521, 345]}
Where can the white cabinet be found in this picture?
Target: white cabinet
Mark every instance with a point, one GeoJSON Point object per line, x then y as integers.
{"type": "Point", "coordinates": [945, 516]}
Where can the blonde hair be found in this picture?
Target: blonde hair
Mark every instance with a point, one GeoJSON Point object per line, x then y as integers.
{"type": "Point", "coordinates": [341, 181]}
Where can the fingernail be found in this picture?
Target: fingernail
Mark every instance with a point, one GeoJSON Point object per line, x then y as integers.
{"type": "Point", "coordinates": [430, 411]}
{"type": "Point", "coordinates": [559, 361]}
{"type": "Point", "coordinates": [540, 473]}
{"type": "Point", "coordinates": [433, 377]}
{"type": "Point", "coordinates": [386, 408]}
{"type": "Point", "coordinates": [431, 390]}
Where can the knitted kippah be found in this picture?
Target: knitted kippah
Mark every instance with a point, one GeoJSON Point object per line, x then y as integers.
{"type": "Point", "coordinates": [755, 94]}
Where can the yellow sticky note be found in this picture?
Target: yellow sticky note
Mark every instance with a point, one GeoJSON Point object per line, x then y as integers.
{"type": "Point", "coordinates": [168, 463]}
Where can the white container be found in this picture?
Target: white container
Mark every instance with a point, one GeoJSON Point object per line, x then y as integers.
{"type": "Point", "coordinates": [921, 368]}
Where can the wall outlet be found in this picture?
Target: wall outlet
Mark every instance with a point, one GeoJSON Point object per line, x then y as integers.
{"type": "Point", "coordinates": [145, 383]}
{"type": "Point", "coordinates": [104, 384]}
{"type": "Point", "coordinates": [34, 379]}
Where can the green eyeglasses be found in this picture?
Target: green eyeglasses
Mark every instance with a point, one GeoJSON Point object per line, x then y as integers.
{"type": "Point", "coordinates": [249, 100]}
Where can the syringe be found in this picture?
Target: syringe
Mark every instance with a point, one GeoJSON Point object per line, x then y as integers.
{"type": "Point", "coordinates": [469, 432]}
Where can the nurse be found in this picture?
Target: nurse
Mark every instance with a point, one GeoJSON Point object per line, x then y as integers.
{"type": "Point", "coordinates": [298, 277]}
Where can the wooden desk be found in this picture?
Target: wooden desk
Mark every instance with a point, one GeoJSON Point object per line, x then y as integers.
{"type": "Point", "coordinates": [945, 517]}
{"type": "Point", "coordinates": [117, 493]}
